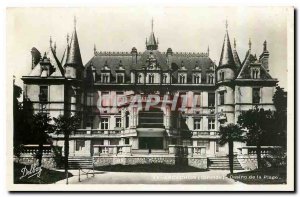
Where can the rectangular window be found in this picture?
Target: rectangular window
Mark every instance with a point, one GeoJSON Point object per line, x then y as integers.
{"type": "Point", "coordinates": [221, 94]}
{"type": "Point", "coordinates": [222, 76]}
{"type": "Point", "coordinates": [118, 122]}
{"type": "Point", "coordinates": [104, 123]}
{"type": "Point", "coordinates": [90, 98]}
{"type": "Point", "coordinates": [197, 122]}
{"type": "Point", "coordinates": [120, 78]}
{"type": "Point", "coordinates": [105, 99]}
{"type": "Point", "coordinates": [80, 145]}
{"type": "Point", "coordinates": [197, 79]}
{"type": "Point", "coordinates": [105, 78]}
{"type": "Point", "coordinates": [126, 140]}
{"type": "Point", "coordinates": [256, 95]}
{"type": "Point", "coordinates": [89, 122]}
{"type": "Point", "coordinates": [211, 99]}
{"type": "Point", "coordinates": [181, 79]}
{"type": "Point", "coordinates": [211, 124]}
{"type": "Point", "coordinates": [197, 97]}
{"type": "Point", "coordinates": [127, 119]}
{"type": "Point", "coordinates": [43, 96]}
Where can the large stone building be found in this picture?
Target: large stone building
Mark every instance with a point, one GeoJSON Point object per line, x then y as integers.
{"type": "Point", "coordinates": [102, 91]}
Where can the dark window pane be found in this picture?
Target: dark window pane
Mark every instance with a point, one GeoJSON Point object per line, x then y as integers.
{"type": "Point", "coordinates": [256, 95]}
{"type": "Point", "coordinates": [211, 99]}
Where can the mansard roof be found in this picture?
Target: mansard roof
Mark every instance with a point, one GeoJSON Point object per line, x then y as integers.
{"type": "Point", "coordinates": [245, 72]}
{"type": "Point", "coordinates": [138, 62]}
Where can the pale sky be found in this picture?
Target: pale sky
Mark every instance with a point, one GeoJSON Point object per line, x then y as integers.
{"type": "Point", "coordinates": [185, 29]}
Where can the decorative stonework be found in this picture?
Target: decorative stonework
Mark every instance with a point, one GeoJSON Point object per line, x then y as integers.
{"type": "Point", "coordinates": [47, 161]}
{"type": "Point", "coordinates": [197, 162]}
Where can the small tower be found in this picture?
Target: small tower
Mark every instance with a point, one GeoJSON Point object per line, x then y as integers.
{"type": "Point", "coordinates": [73, 65]}
{"type": "Point", "coordinates": [151, 43]}
{"type": "Point", "coordinates": [225, 75]}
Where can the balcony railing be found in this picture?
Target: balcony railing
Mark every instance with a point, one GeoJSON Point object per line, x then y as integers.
{"type": "Point", "coordinates": [97, 132]}
{"type": "Point", "coordinates": [102, 150]}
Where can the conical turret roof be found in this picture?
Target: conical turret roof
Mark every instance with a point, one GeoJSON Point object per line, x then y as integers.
{"type": "Point", "coordinates": [227, 58]}
{"type": "Point", "coordinates": [74, 55]}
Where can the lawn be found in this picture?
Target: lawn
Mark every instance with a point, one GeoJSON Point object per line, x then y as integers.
{"type": "Point", "coordinates": [46, 176]}
{"type": "Point", "coordinates": [262, 176]}
{"type": "Point", "coordinates": [162, 168]}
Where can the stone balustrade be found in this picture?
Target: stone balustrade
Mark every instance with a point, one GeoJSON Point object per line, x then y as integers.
{"type": "Point", "coordinates": [180, 150]}
{"type": "Point", "coordinates": [251, 150]}
{"type": "Point", "coordinates": [32, 149]}
{"type": "Point", "coordinates": [99, 132]}
{"type": "Point", "coordinates": [100, 150]}
{"type": "Point", "coordinates": [196, 150]}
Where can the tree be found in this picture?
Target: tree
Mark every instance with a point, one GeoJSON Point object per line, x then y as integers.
{"type": "Point", "coordinates": [280, 115]}
{"type": "Point", "coordinates": [17, 116]}
{"type": "Point", "coordinates": [229, 134]}
{"type": "Point", "coordinates": [40, 127]}
{"type": "Point", "coordinates": [259, 124]}
{"type": "Point", "coordinates": [66, 124]}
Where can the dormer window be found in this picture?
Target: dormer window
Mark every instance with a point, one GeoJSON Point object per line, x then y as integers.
{"type": "Point", "coordinates": [105, 78]}
{"type": "Point", "coordinates": [120, 78]}
{"type": "Point", "coordinates": [255, 73]}
{"type": "Point", "coordinates": [181, 79]}
{"type": "Point", "coordinates": [210, 78]}
{"type": "Point", "coordinates": [164, 78]}
{"type": "Point", "coordinates": [197, 78]}
{"type": "Point", "coordinates": [151, 78]}
{"type": "Point", "coordinates": [139, 78]}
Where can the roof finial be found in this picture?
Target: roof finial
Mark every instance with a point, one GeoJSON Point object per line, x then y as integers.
{"type": "Point", "coordinates": [250, 43]}
{"type": "Point", "coordinates": [226, 25]}
{"type": "Point", "coordinates": [54, 47]}
{"type": "Point", "coordinates": [208, 50]}
{"type": "Point", "coordinates": [75, 22]}
{"type": "Point", "coordinates": [265, 45]}
{"type": "Point", "coordinates": [50, 41]}
{"type": "Point", "coordinates": [95, 49]}
{"type": "Point", "coordinates": [234, 43]}
{"type": "Point", "coordinates": [67, 38]}
{"type": "Point", "coordinates": [152, 25]}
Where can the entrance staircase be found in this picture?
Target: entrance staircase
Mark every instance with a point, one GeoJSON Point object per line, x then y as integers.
{"type": "Point", "coordinates": [222, 163]}
{"type": "Point", "coordinates": [80, 162]}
